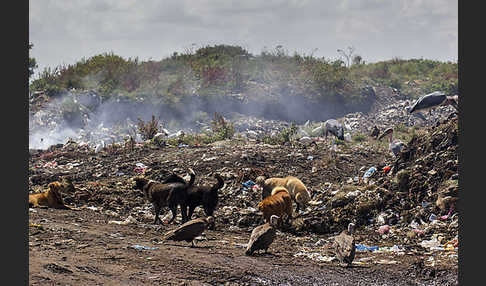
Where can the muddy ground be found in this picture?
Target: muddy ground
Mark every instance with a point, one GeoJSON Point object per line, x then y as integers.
{"type": "Point", "coordinates": [95, 244]}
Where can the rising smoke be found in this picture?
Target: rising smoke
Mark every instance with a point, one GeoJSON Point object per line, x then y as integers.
{"type": "Point", "coordinates": [87, 117]}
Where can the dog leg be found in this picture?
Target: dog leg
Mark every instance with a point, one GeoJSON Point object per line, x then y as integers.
{"type": "Point", "coordinates": [157, 212]}
{"type": "Point", "coordinates": [191, 211]}
{"type": "Point", "coordinates": [174, 214]}
{"type": "Point", "coordinates": [184, 213]}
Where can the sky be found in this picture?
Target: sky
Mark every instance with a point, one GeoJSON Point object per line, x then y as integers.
{"type": "Point", "coordinates": [64, 32]}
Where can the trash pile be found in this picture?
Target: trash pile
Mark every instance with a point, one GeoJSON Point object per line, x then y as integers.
{"type": "Point", "coordinates": [256, 128]}
{"type": "Point", "coordinates": [390, 109]}
{"type": "Point", "coordinates": [404, 204]}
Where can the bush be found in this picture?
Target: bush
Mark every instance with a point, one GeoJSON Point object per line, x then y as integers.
{"type": "Point", "coordinates": [149, 129]}
{"type": "Point", "coordinates": [225, 69]}
{"type": "Point", "coordinates": [221, 128]}
{"type": "Point", "coordinates": [285, 136]}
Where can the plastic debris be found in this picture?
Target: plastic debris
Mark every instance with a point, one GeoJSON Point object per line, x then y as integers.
{"type": "Point", "coordinates": [386, 169]}
{"type": "Point", "coordinates": [248, 184]}
{"type": "Point", "coordinates": [142, 247]}
{"type": "Point", "coordinates": [140, 168]}
{"type": "Point", "coordinates": [384, 229]}
{"type": "Point", "coordinates": [369, 173]}
{"type": "Point", "coordinates": [431, 244]}
{"type": "Point", "coordinates": [362, 247]}
{"type": "Point", "coordinates": [306, 139]}
{"type": "Point", "coordinates": [418, 231]}
{"type": "Point", "coordinates": [128, 220]}
{"type": "Point", "coordinates": [315, 256]}
{"type": "Point", "coordinates": [347, 137]}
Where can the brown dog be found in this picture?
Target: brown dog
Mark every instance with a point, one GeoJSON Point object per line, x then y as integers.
{"type": "Point", "coordinates": [269, 184]}
{"type": "Point", "coordinates": [50, 198]}
{"type": "Point", "coordinates": [297, 190]}
{"type": "Point", "coordinates": [279, 203]}
{"type": "Point", "coordinates": [172, 192]}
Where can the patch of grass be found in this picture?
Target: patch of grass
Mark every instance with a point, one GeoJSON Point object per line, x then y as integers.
{"type": "Point", "coordinates": [222, 129]}
{"type": "Point", "coordinates": [340, 142]}
{"type": "Point", "coordinates": [359, 137]}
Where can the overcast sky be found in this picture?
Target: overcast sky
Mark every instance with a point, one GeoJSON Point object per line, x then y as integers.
{"type": "Point", "coordinates": [63, 32]}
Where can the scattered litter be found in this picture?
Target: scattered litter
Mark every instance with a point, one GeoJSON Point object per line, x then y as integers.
{"type": "Point", "coordinates": [418, 231]}
{"type": "Point", "coordinates": [315, 256]}
{"type": "Point", "coordinates": [384, 229]}
{"type": "Point", "coordinates": [210, 159]}
{"type": "Point", "coordinates": [248, 184]}
{"type": "Point", "coordinates": [431, 244]}
{"type": "Point", "coordinates": [142, 247]}
{"type": "Point", "coordinates": [306, 139]}
{"type": "Point", "coordinates": [36, 225]}
{"type": "Point", "coordinates": [385, 261]}
{"type": "Point", "coordinates": [140, 168]}
{"type": "Point", "coordinates": [362, 247]}
{"type": "Point", "coordinates": [386, 169]}
{"type": "Point", "coordinates": [369, 173]}
{"type": "Point", "coordinates": [128, 220]}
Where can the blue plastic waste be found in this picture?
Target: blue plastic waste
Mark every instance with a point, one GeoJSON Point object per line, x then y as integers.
{"type": "Point", "coordinates": [369, 173]}
{"type": "Point", "coordinates": [248, 184]}
{"type": "Point", "coordinates": [142, 247]}
{"type": "Point", "coordinates": [362, 247]}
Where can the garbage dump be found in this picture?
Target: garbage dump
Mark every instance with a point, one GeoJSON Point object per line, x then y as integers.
{"type": "Point", "coordinates": [402, 206]}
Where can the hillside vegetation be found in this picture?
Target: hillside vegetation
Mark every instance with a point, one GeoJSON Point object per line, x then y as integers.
{"type": "Point", "coordinates": [232, 73]}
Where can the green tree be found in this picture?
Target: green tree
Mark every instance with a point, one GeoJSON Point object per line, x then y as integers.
{"type": "Point", "coordinates": [32, 62]}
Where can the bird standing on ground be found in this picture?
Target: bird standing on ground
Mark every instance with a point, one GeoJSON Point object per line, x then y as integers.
{"type": "Point", "coordinates": [189, 230]}
{"type": "Point", "coordinates": [395, 146]}
{"type": "Point", "coordinates": [262, 236]}
{"type": "Point", "coordinates": [431, 100]}
{"type": "Point", "coordinates": [375, 132]}
{"type": "Point", "coordinates": [345, 246]}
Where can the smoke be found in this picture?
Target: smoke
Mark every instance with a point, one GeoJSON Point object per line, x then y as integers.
{"type": "Point", "coordinates": [87, 117]}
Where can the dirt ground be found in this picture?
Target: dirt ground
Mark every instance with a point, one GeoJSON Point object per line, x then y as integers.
{"type": "Point", "coordinates": [81, 248]}
{"type": "Point", "coordinates": [85, 247]}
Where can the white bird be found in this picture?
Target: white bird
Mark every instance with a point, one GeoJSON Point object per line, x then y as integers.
{"type": "Point", "coordinates": [395, 146]}
{"type": "Point", "coordinates": [100, 146]}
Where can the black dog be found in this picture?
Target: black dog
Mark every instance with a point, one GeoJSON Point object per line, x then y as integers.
{"type": "Point", "coordinates": [205, 196]}
{"type": "Point", "coordinates": [172, 192]}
